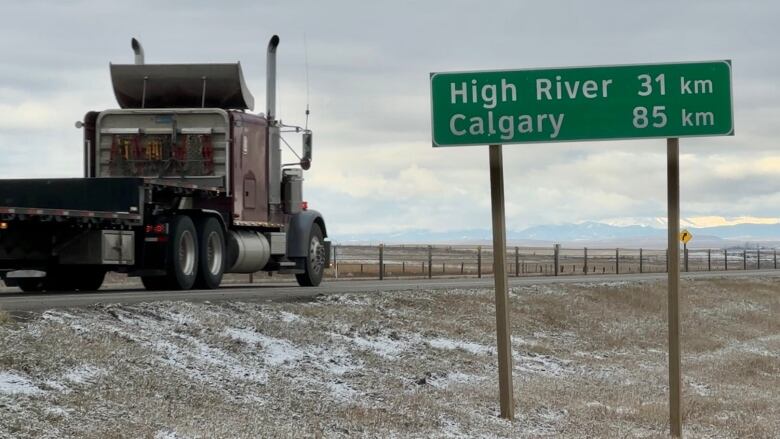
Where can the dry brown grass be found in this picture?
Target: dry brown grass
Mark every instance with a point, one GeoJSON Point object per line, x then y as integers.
{"type": "Point", "coordinates": [5, 318]}
{"type": "Point", "coordinates": [589, 362]}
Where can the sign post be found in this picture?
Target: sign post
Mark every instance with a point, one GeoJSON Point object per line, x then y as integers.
{"type": "Point", "coordinates": [582, 104]}
{"type": "Point", "coordinates": [503, 328]}
{"type": "Point", "coordinates": [673, 207]}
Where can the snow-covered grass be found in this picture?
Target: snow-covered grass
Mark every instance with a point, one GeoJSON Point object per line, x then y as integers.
{"type": "Point", "coordinates": [589, 361]}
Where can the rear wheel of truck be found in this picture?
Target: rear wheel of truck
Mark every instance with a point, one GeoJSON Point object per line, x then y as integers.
{"type": "Point", "coordinates": [211, 240]}
{"type": "Point", "coordinates": [315, 260]}
{"type": "Point", "coordinates": [182, 260]}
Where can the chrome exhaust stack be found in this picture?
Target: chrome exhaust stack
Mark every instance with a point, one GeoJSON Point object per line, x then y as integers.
{"type": "Point", "coordinates": [138, 50]}
{"type": "Point", "coordinates": [270, 78]}
{"type": "Point", "coordinates": [274, 150]}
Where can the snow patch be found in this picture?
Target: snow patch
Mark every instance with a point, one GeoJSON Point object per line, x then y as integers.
{"type": "Point", "coordinates": [13, 384]}
{"type": "Point", "coordinates": [450, 344]}
{"type": "Point", "coordinates": [288, 317]}
{"type": "Point", "coordinates": [276, 351]}
{"type": "Point", "coordinates": [541, 364]}
{"type": "Point", "coordinates": [83, 374]}
{"type": "Point", "coordinates": [341, 391]}
{"type": "Point", "coordinates": [453, 378]}
{"type": "Point", "coordinates": [167, 434]}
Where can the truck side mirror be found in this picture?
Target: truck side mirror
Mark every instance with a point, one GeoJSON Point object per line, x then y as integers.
{"type": "Point", "coordinates": [307, 144]}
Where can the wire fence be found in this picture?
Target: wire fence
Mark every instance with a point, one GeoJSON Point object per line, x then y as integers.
{"type": "Point", "coordinates": [393, 261]}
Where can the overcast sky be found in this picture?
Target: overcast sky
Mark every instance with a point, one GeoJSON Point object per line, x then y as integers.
{"type": "Point", "coordinates": [374, 168]}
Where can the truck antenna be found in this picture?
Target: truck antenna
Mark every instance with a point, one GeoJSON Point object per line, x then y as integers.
{"type": "Point", "coordinates": [306, 66]}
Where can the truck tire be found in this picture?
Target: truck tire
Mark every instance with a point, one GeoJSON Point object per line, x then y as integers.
{"type": "Point", "coordinates": [314, 265]}
{"type": "Point", "coordinates": [182, 260]}
{"type": "Point", "coordinates": [211, 244]}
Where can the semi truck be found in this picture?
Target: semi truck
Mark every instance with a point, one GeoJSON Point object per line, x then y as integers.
{"type": "Point", "coordinates": [182, 184]}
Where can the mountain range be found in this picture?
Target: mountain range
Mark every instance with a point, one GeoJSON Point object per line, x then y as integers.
{"type": "Point", "coordinates": [583, 234]}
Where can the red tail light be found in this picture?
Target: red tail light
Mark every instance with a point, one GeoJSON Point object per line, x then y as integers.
{"type": "Point", "coordinates": [159, 229]}
{"type": "Point", "coordinates": [304, 205]}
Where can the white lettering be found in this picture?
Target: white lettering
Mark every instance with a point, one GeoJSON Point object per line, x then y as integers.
{"type": "Point", "coordinates": [604, 84]}
{"type": "Point", "coordinates": [543, 86]}
{"type": "Point", "coordinates": [453, 128]}
{"type": "Point", "coordinates": [702, 86]}
{"type": "Point", "coordinates": [572, 92]}
{"type": "Point", "coordinates": [491, 130]}
{"type": "Point", "coordinates": [477, 126]}
{"type": "Point", "coordinates": [590, 89]}
{"type": "Point", "coordinates": [540, 118]}
{"type": "Point", "coordinates": [526, 124]}
{"type": "Point", "coordinates": [507, 127]}
{"type": "Point", "coordinates": [454, 93]}
{"type": "Point", "coordinates": [489, 96]}
{"type": "Point", "coordinates": [506, 86]}
{"type": "Point", "coordinates": [556, 125]}
{"type": "Point", "coordinates": [686, 118]}
{"type": "Point", "coordinates": [685, 86]}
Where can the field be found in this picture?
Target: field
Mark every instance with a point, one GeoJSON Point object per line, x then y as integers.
{"type": "Point", "coordinates": [589, 361]}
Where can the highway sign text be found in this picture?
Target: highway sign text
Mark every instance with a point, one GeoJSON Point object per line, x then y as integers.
{"type": "Point", "coordinates": [582, 103]}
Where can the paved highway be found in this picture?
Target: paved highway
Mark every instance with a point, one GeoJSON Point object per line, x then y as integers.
{"type": "Point", "coordinates": [11, 299]}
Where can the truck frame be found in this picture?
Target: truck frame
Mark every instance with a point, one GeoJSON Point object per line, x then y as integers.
{"type": "Point", "coordinates": [181, 185]}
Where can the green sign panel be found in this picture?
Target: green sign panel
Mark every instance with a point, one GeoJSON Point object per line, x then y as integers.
{"type": "Point", "coordinates": [582, 103]}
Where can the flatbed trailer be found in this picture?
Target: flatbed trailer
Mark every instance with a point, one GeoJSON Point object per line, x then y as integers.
{"type": "Point", "coordinates": [119, 200]}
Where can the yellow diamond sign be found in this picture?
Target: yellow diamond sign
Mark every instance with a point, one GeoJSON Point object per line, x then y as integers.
{"type": "Point", "coordinates": [685, 236]}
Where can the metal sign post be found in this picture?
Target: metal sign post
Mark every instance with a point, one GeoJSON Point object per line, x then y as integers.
{"type": "Point", "coordinates": [673, 200]}
{"type": "Point", "coordinates": [503, 328]}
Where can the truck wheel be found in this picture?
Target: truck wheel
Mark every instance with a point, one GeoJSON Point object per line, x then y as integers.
{"type": "Point", "coordinates": [211, 240]}
{"type": "Point", "coordinates": [182, 261]}
{"type": "Point", "coordinates": [315, 261]}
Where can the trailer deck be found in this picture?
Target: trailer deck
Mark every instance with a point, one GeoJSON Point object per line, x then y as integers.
{"type": "Point", "coordinates": [90, 199]}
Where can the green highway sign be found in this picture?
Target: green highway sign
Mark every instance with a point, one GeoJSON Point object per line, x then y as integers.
{"type": "Point", "coordinates": [582, 103]}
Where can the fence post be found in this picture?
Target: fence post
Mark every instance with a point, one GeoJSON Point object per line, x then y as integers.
{"type": "Point", "coordinates": [617, 261]}
{"type": "Point", "coordinates": [336, 261]}
{"type": "Point", "coordinates": [685, 256]}
{"type": "Point", "coordinates": [775, 251]}
{"type": "Point", "coordinates": [726, 259]}
{"type": "Point", "coordinates": [744, 259]}
{"type": "Point", "coordinates": [479, 261]}
{"type": "Point", "coordinates": [585, 261]}
{"type": "Point", "coordinates": [667, 260]}
{"type": "Point", "coordinates": [517, 261]}
{"type": "Point", "coordinates": [430, 262]}
{"type": "Point", "coordinates": [641, 262]}
{"type": "Point", "coordinates": [381, 261]}
{"type": "Point", "coordinates": [758, 258]}
{"type": "Point", "coordinates": [709, 259]}
{"type": "Point", "coordinates": [557, 253]}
